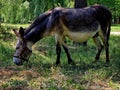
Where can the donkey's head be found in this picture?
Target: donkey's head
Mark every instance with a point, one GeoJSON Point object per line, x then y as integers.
{"type": "Point", "coordinates": [23, 48]}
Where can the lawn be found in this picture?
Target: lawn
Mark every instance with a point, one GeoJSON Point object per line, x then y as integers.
{"type": "Point", "coordinates": [42, 74]}
{"type": "Point", "coordinates": [116, 28]}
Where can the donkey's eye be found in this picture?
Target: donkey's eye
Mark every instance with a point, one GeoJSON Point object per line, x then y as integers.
{"type": "Point", "coordinates": [17, 47]}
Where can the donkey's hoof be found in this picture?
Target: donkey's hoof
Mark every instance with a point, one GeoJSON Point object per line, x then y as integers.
{"type": "Point", "coordinates": [57, 64]}
{"type": "Point", "coordinates": [95, 61]}
{"type": "Point", "coordinates": [107, 61]}
{"type": "Point", "coordinates": [71, 63]}
{"type": "Point", "coordinates": [29, 66]}
{"type": "Point", "coordinates": [106, 64]}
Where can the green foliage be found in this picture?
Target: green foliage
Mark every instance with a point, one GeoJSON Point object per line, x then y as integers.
{"type": "Point", "coordinates": [18, 11]}
{"type": "Point", "coordinates": [113, 5]}
{"type": "Point", "coordinates": [22, 11]}
{"type": "Point", "coordinates": [9, 10]}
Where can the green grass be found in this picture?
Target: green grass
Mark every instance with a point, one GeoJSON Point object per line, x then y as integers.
{"type": "Point", "coordinates": [15, 25]}
{"type": "Point", "coordinates": [44, 75]}
{"type": "Point", "coordinates": [115, 28]}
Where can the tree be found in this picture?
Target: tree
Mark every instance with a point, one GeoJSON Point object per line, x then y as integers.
{"type": "Point", "coordinates": [80, 3]}
{"type": "Point", "coordinates": [22, 11]}
{"type": "Point", "coordinates": [113, 5]}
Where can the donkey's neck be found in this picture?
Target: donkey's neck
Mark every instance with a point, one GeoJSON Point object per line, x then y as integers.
{"type": "Point", "coordinates": [33, 36]}
{"type": "Point", "coordinates": [37, 32]}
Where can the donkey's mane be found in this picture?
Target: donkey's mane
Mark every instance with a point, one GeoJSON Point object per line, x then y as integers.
{"type": "Point", "coordinates": [37, 21]}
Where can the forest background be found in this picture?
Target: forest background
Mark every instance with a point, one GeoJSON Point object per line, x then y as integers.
{"type": "Point", "coordinates": [24, 11]}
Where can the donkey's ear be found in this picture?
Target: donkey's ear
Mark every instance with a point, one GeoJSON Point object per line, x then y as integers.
{"type": "Point", "coordinates": [16, 33]}
{"type": "Point", "coordinates": [21, 31]}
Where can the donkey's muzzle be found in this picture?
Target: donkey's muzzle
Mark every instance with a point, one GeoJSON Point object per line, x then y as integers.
{"type": "Point", "coordinates": [17, 61]}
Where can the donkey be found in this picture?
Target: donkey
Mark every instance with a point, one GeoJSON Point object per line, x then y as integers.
{"type": "Point", "coordinates": [77, 24]}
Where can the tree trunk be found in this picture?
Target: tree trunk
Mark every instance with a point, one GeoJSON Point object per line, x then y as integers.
{"type": "Point", "coordinates": [80, 3]}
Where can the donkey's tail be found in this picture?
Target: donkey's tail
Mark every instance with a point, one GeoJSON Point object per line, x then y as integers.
{"type": "Point", "coordinates": [108, 29]}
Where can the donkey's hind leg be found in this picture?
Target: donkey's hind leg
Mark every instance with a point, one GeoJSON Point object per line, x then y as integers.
{"type": "Point", "coordinates": [67, 53]}
{"type": "Point", "coordinates": [106, 44]}
{"type": "Point", "coordinates": [99, 46]}
{"type": "Point", "coordinates": [58, 52]}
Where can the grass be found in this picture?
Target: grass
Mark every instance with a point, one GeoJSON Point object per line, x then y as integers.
{"type": "Point", "coordinates": [42, 74]}
{"type": "Point", "coordinates": [14, 25]}
{"type": "Point", "coordinates": [116, 28]}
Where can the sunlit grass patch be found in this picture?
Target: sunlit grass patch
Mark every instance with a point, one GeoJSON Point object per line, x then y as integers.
{"type": "Point", "coordinates": [115, 28]}
{"type": "Point", "coordinates": [15, 25]}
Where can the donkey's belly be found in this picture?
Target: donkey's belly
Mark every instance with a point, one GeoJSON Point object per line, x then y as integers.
{"type": "Point", "coordinates": [80, 33]}
{"type": "Point", "coordinates": [81, 36]}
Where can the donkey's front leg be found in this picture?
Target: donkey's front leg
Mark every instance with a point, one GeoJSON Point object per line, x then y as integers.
{"type": "Point", "coordinates": [58, 52]}
{"type": "Point", "coordinates": [67, 52]}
